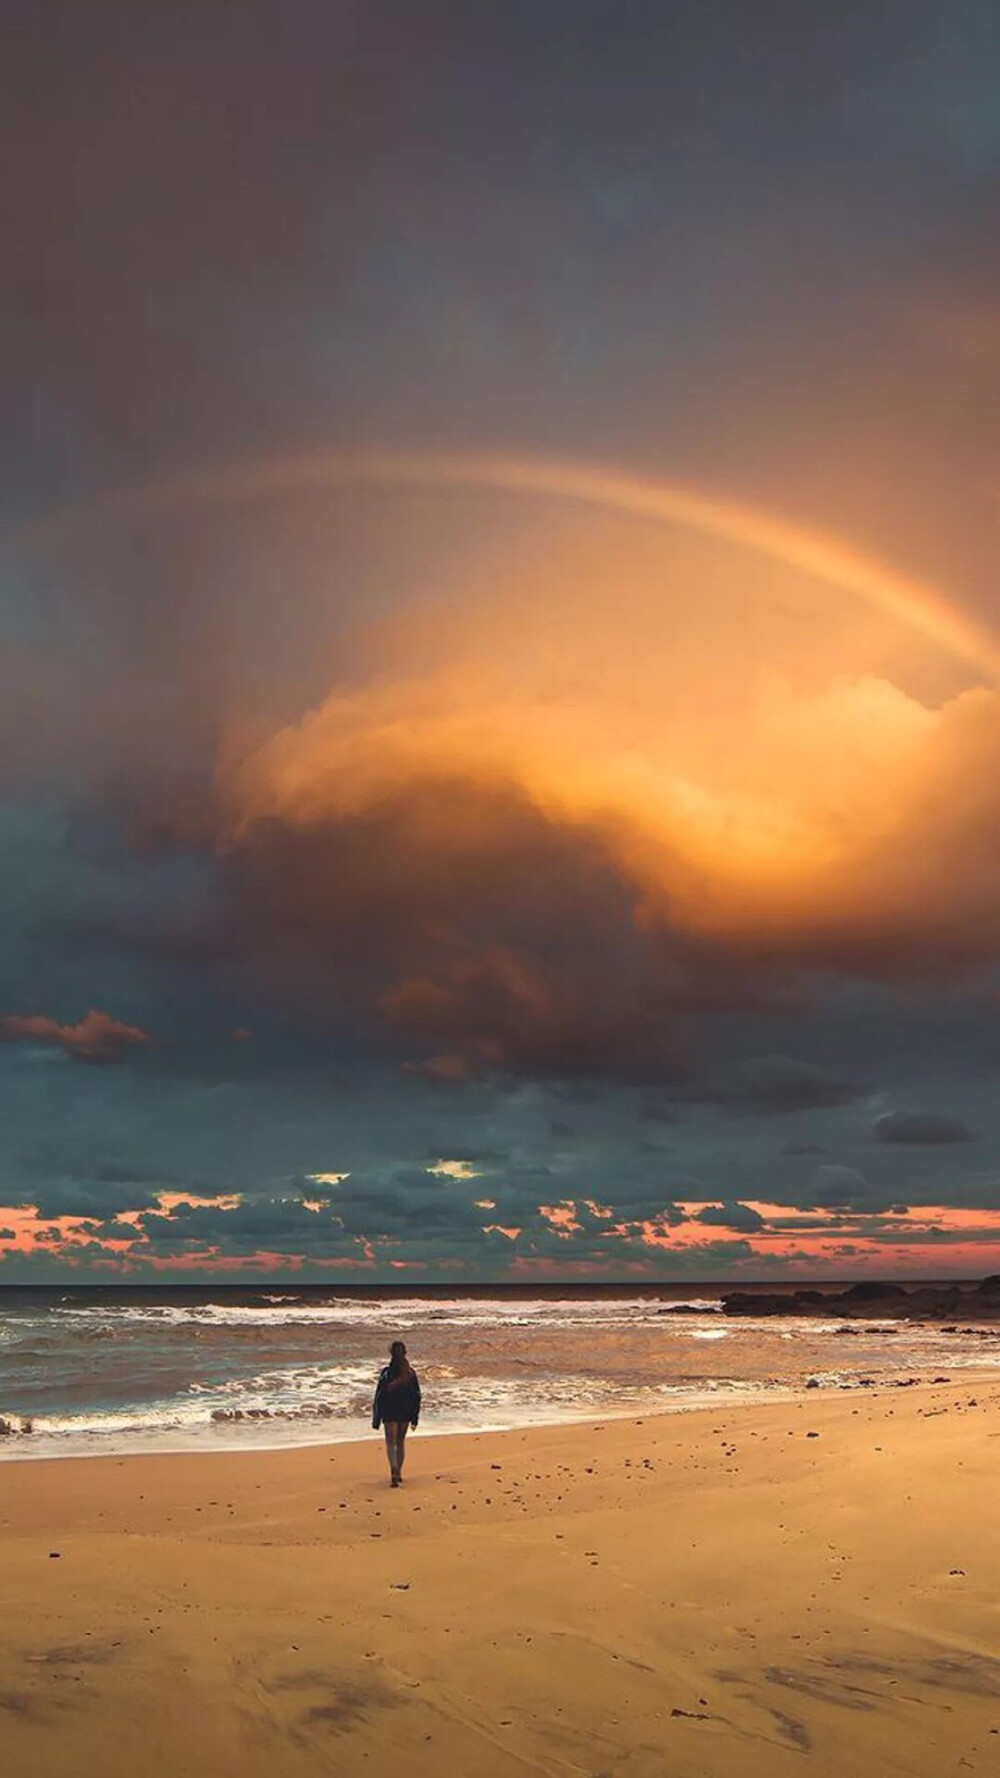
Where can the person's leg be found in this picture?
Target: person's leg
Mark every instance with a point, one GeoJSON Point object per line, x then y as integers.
{"type": "Point", "coordinates": [400, 1447]}
{"type": "Point", "coordinates": [390, 1445]}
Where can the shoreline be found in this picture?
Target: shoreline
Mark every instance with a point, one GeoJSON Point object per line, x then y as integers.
{"type": "Point", "coordinates": [735, 1394]}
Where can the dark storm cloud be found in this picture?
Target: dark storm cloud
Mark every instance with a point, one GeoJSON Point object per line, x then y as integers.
{"type": "Point", "coordinates": [657, 1111]}
{"type": "Point", "coordinates": [404, 1211]}
{"type": "Point", "coordinates": [90, 1177]}
{"type": "Point", "coordinates": [110, 1228]}
{"type": "Point", "coordinates": [775, 1086]}
{"type": "Point", "coordinates": [280, 1225]}
{"type": "Point", "coordinates": [101, 1162]}
{"type": "Point", "coordinates": [837, 1187]}
{"type": "Point", "coordinates": [645, 1200]}
{"type": "Point", "coordinates": [410, 1200]}
{"type": "Point", "coordinates": [731, 1216]}
{"type": "Point", "coordinates": [83, 1197]}
{"type": "Point", "coordinates": [922, 1129]}
{"type": "Point", "coordinates": [509, 947]}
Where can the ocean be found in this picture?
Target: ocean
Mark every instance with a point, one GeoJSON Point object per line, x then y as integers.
{"type": "Point", "coordinates": [86, 1370]}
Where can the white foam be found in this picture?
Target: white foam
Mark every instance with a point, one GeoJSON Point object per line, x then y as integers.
{"type": "Point", "coordinates": [389, 1313]}
{"type": "Point", "coordinates": [499, 1407]}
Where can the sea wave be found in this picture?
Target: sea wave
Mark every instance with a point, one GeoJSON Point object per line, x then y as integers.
{"type": "Point", "coordinates": [390, 1312]}
{"type": "Point", "coordinates": [179, 1374]}
{"type": "Point", "coordinates": [478, 1405]}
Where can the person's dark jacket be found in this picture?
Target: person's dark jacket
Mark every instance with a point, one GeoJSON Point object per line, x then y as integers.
{"type": "Point", "coordinates": [396, 1398]}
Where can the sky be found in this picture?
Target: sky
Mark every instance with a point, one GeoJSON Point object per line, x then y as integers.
{"type": "Point", "coordinates": [499, 709]}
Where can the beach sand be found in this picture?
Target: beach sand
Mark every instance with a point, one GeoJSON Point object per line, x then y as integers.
{"type": "Point", "coordinates": [698, 1594]}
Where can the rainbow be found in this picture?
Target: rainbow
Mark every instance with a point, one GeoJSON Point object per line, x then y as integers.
{"type": "Point", "coordinates": [822, 558]}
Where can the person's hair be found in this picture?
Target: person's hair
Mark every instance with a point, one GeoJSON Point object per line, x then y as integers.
{"type": "Point", "coordinates": [397, 1359]}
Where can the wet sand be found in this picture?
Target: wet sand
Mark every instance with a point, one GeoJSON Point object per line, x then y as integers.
{"type": "Point", "coordinates": [709, 1593]}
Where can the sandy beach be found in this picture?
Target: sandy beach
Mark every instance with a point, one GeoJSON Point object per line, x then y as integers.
{"type": "Point", "coordinates": [809, 1585]}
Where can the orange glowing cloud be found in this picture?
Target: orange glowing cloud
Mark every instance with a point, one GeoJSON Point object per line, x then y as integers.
{"type": "Point", "coordinates": [773, 748]}
{"type": "Point", "coordinates": [751, 775]}
{"type": "Point", "coordinates": [728, 702]}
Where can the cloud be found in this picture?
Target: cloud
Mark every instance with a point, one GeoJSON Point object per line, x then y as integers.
{"type": "Point", "coordinates": [272, 1224]}
{"type": "Point", "coordinates": [921, 1128]}
{"type": "Point", "coordinates": [773, 1086]}
{"type": "Point", "coordinates": [512, 842]}
{"type": "Point", "coordinates": [409, 1212]}
{"type": "Point", "coordinates": [773, 847]}
{"type": "Point", "coordinates": [836, 1187]}
{"type": "Point", "coordinates": [91, 1175]}
{"type": "Point", "coordinates": [85, 1197]}
{"type": "Point", "coordinates": [657, 1111]}
{"type": "Point", "coordinates": [730, 1216]}
{"type": "Point", "coordinates": [407, 1200]}
{"type": "Point", "coordinates": [456, 1167]}
{"type": "Point", "coordinates": [495, 859]}
{"type": "Point", "coordinates": [474, 937]}
{"type": "Point", "coordinates": [639, 1200]}
{"type": "Point", "coordinates": [96, 1157]}
{"type": "Point", "coordinates": [96, 1038]}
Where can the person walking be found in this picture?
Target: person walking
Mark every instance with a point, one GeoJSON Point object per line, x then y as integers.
{"type": "Point", "coordinates": [396, 1406]}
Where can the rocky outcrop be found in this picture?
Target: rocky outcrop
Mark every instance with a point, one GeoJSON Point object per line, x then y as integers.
{"type": "Point", "coordinates": [876, 1301]}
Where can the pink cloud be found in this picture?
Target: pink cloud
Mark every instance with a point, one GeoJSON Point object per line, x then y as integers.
{"type": "Point", "coordinates": [96, 1038]}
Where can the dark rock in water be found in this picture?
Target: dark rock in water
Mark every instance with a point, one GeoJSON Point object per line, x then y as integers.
{"type": "Point", "coordinates": [872, 1300]}
{"type": "Point", "coordinates": [683, 1309]}
{"type": "Point", "coordinates": [5, 1429]}
{"type": "Point", "coordinates": [744, 1302]}
{"type": "Point", "coordinates": [870, 1292]}
{"type": "Point", "coordinates": [813, 1383]}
